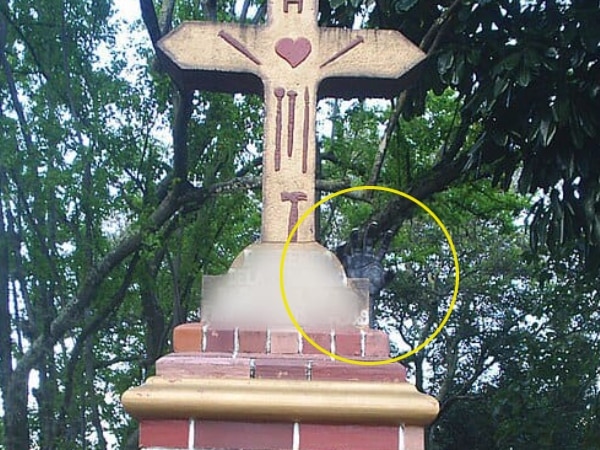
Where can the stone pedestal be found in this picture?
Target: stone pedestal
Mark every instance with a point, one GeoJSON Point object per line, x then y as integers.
{"type": "Point", "coordinates": [318, 291]}
{"type": "Point", "coordinates": [268, 389]}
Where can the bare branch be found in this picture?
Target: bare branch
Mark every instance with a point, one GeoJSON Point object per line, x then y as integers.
{"type": "Point", "coordinates": [12, 87]}
{"type": "Point", "coordinates": [165, 17]}
{"type": "Point", "coordinates": [451, 359]}
{"type": "Point", "coordinates": [260, 13]}
{"type": "Point", "coordinates": [338, 185]}
{"type": "Point", "coordinates": [438, 28]}
{"type": "Point", "coordinates": [174, 265]}
{"type": "Point", "coordinates": [236, 184]}
{"type": "Point", "coordinates": [390, 128]}
{"type": "Point", "coordinates": [256, 162]}
{"type": "Point", "coordinates": [332, 185]}
{"type": "Point", "coordinates": [5, 316]}
{"type": "Point", "coordinates": [150, 20]}
{"type": "Point", "coordinates": [152, 313]}
{"type": "Point", "coordinates": [244, 13]}
{"type": "Point", "coordinates": [91, 327]}
{"type": "Point", "coordinates": [133, 360]}
{"type": "Point", "coordinates": [434, 33]}
{"type": "Point", "coordinates": [329, 156]}
{"type": "Point", "coordinates": [73, 310]}
{"type": "Point", "coordinates": [441, 176]}
{"type": "Point", "coordinates": [93, 406]}
{"type": "Point", "coordinates": [210, 7]}
{"type": "Point", "coordinates": [182, 105]}
{"type": "Point", "coordinates": [30, 48]}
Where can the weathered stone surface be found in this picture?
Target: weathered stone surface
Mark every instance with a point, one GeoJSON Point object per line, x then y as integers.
{"type": "Point", "coordinates": [182, 365]}
{"type": "Point", "coordinates": [285, 342]}
{"type": "Point", "coordinates": [241, 435]}
{"type": "Point", "coordinates": [164, 433]}
{"type": "Point", "coordinates": [339, 371]}
{"type": "Point", "coordinates": [377, 344]}
{"type": "Point", "coordinates": [252, 341]}
{"type": "Point", "coordinates": [281, 368]}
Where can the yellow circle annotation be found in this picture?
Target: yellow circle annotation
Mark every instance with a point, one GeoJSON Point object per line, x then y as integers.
{"type": "Point", "coordinates": [356, 361]}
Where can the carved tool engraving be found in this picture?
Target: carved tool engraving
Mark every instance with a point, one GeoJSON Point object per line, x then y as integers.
{"type": "Point", "coordinates": [291, 118]}
{"type": "Point", "coordinates": [293, 198]}
{"type": "Point", "coordinates": [279, 93]}
{"type": "Point", "coordinates": [238, 46]}
{"type": "Point", "coordinates": [354, 43]}
{"type": "Point", "coordinates": [286, 3]}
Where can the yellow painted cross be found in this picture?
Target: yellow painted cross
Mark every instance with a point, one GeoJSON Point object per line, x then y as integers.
{"type": "Point", "coordinates": [293, 63]}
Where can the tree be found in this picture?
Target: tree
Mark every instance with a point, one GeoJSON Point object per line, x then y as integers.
{"type": "Point", "coordinates": [526, 74]}
{"type": "Point", "coordinates": [493, 54]}
{"type": "Point", "coordinates": [99, 254]}
{"type": "Point", "coordinates": [505, 358]}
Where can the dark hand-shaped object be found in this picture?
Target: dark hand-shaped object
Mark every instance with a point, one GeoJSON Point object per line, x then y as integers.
{"type": "Point", "coordinates": [361, 261]}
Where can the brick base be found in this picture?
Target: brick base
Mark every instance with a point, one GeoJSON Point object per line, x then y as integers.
{"type": "Point", "coordinates": [214, 435]}
{"type": "Point", "coordinates": [203, 353]}
{"type": "Point", "coordinates": [352, 343]}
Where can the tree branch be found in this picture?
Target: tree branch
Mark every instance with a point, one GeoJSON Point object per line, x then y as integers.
{"type": "Point", "coordinates": [437, 29]}
{"type": "Point", "coordinates": [32, 50]}
{"type": "Point", "coordinates": [165, 17]}
{"type": "Point", "coordinates": [72, 312]}
{"type": "Point", "coordinates": [91, 327]}
{"type": "Point", "coordinates": [93, 407]}
{"type": "Point", "coordinates": [244, 13]}
{"type": "Point", "coordinates": [435, 32]}
{"type": "Point", "coordinates": [256, 162]}
{"type": "Point", "coordinates": [182, 106]}
{"type": "Point", "coordinates": [133, 360]}
{"type": "Point", "coordinates": [451, 358]}
{"type": "Point", "coordinates": [150, 20]}
{"type": "Point", "coordinates": [12, 88]}
{"type": "Point", "coordinates": [260, 13]}
{"type": "Point", "coordinates": [441, 176]}
{"type": "Point", "coordinates": [152, 313]}
{"type": "Point", "coordinates": [210, 6]}
{"type": "Point", "coordinates": [6, 354]}
{"type": "Point", "coordinates": [390, 128]}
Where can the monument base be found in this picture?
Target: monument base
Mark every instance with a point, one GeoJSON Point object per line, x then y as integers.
{"type": "Point", "coordinates": [318, 291]}
{"type": "Point", "coordinates": [271, 390]}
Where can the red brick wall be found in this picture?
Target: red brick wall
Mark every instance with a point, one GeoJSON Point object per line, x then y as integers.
{"type": "Point", "coordinates": [351, 343]}
{"type": "Point", "coordinates": [201, 435]}
{"type": "Point", "coordinates": [206, 352]}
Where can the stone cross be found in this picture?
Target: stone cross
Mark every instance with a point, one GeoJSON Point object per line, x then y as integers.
{"type": "Point", "coordinates": [293, 63]}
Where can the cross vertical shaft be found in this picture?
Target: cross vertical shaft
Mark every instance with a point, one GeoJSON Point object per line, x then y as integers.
{"type": "Point", "coordinates": [289, 160]}
{"type": "Point", "coordinates": [289, 57]}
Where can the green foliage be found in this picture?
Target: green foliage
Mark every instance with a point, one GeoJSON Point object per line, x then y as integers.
{"type": "Point", "coordinates": [507, 356]}
{"type": "Point", "coordinates": [513, 350]}
{"type": "Point", "coordinates": [82, 172]}
{"type": "Point", "coordinates": [529, 74]}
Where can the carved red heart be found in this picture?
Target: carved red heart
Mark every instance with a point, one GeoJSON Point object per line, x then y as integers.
{"type": "Point", "coordinates": [294, 52]}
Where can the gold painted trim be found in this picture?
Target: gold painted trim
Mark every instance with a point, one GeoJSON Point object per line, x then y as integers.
{"type": "Point", "coordinates": [340, 402]}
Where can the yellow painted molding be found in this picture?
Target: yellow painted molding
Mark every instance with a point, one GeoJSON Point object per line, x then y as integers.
{"type": "Point", "coordinates": [258, 400]}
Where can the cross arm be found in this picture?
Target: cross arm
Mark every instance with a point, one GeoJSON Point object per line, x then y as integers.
{"type": "Point", "coordinates": [366, 63]}
{"type": "Point", "coordinates": [213, 57]}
